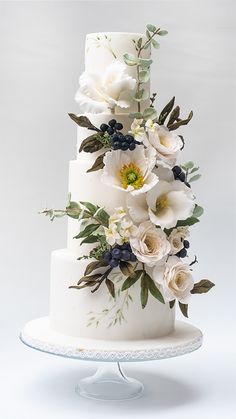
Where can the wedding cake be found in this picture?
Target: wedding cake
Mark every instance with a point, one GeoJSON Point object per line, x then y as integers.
{"type": "Point", "coordinates": [130, 205]}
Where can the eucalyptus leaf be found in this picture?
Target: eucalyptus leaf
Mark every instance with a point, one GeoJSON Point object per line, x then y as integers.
{"type": "Point", "coordinates": [144, 76]}
{"type": "Point", "coordinates": [198, 211]}
{"type": "Point", "coordinates": [188, 165]}
{"type": "Point", "coordinates": [136, 115]}
{"type": "Point", "coordinates": [131, 280]}
{"type": "Point", "coordinates": [151, 28]}
{"type": "Point", "coordinates": [129, 59]}
{"type": "Point", "coordinates": [149, 113]}
{"type": "Point", "coordinates": [162, 33]}
{"type": "Point", "coordinates": [148, 35]}
{"type": "Point", "coordinates": [98, 164]}
{"type": "Point", "coordinates": [155, 44]}
{"type": "Point", "coordinates": [144, 62]}
{"type": "Point", "coordinates": [87, 231]}
{"type": "Point", "coordinates": [195, 169]}
{"type": "Point", "coordinates": [83, 121]}
{"type": "Point", "coordinates": [141, 95]}
{"type": "Point", "coordinates": [202, 286]}
{"type": "Point", "coordinates": [184, 309]}
{"type": "Point", "coordinates": [139, 43]}
{"type": "Point", "coordinates": [194, 178]}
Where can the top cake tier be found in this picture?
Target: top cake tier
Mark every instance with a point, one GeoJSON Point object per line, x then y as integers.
{"type": "Point", "coordinates": [103, 49]}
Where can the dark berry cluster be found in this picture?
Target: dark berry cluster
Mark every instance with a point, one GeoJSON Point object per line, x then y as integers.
{"type": "Point", "coordinates": [123, 142]}
{"type": "Point", "coordinates": [179, 175]}
{"type": "Point", "coordinates": [183, 252]}
{"type": "Point", "coordinates": [112, 127]}
{"type": "Point", "coordinates": [118, 253]}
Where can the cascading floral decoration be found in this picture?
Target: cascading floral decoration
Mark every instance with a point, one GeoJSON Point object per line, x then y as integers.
{"type": "Point", "coordinates": [148, 241]}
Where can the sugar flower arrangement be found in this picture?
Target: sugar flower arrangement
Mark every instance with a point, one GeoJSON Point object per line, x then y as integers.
{"type": "Point", "coordinates": [147, 242]}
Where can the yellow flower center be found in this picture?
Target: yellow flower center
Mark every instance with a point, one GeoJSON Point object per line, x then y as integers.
{"type": "Point", "coordinates": [130, 174]}
{"type": "Point", "coordinates": [161, 204]}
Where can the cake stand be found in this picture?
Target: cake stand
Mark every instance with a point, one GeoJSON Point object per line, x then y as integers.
{"type": "Point", "coordinates": [109, 382]}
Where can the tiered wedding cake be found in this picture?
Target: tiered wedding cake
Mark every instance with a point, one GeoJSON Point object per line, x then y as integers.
{"type": "Point", "coordinates": [132, 208]}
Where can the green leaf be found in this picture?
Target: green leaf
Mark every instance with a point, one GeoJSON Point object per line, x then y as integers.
{"type": "Point", "coordinates": [148, 35]}
{"type": "Point", "coordinates": [162, 33]}
{"type": "Point", "coordinates": [103, 217]}
{"type": "Point", "coordinates": [126, 268]}
{"type": "Point", "coordinates": [83, 121]}
{"type": "Point", "coordinates": [198, 211]}
{"type": "Point", "coordinates": [136, 115]}
{"type": "Point", "coordinates": [139, 43]}
{"type": "Point", "coordinates": [174, 115]}
{"type": "Point", "coordinates": [91, 207]}
{"type": "Point", "coordinates": [73, 210]}
{"type": "Point", "coordinates": [166, 110]}
{"type": "Point", "coordinates": [188, 222]}
{"type": "Point", "coordinates": [188, 165]}
{"type": "Point", "coordinates": [194, 178]}
{"type": "Point", "coordinates": [111, 287]}
{"type": "Point", "coordinates": [195, 169]}
{"type": "Point", "coordinates": [131, 280]}
{"type": "Point", "coordinates": [151, 28]}
{"type": "Point", "coordinates": [91, 144]}
{"type": "Point", "coordinates": [153, 289]}
{"type": "Point", "coordinates": [184, 309]}
{"type": "Point", "coordinates": [150, 113]}
{"type": "Point", "coordinates": [89, 239]}
{"type": "Point", "coordinates": [87, 231]}
{"type": "Point", "coordinates": [144, 76]}
{"type": "Point", "coordinates": [144, 290]}
{"type": "Point", "coordinates": [172, 303]}
{"type": "Point", "coordinates": [177, 124]}
{"type": "Point", "coordinates": [129, 59]}
{"type": "Point", "coordinates": [155, 44]}
{"type": "Point", "coordinates": [90, 278]}
{"type": "Point", "coordinates": [147, 44]}
{"type": "Point", "coordinates": [144, 62]}
{"type": "Point", "coordinates": [98, 164]}
{"type": "Point", "coordinates": [141, 95]}
{"type": "Point", "coordinates": [202, 286]}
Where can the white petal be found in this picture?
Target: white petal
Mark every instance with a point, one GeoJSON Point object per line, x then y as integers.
{"type": "Point", "coordinates": [137, 206]}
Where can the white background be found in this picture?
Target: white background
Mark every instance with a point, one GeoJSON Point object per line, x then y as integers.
{"type": "Point", "coordinates": [41, 57]}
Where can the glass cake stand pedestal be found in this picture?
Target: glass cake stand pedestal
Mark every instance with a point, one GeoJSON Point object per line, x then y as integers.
{"type": "Point", "coordinates": [109, 382]}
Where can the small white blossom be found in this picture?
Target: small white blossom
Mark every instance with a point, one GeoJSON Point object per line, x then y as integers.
{"type": "Point", "coordinates": [137, 130]}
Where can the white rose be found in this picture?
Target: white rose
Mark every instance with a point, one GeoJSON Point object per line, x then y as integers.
{"type": "Point", "coordinates": [99, 92]}
{"type": "Point", "coordinates": [175, 278]}
{"type": "Point", "coordinates": [166, 143]}
{"type": "Point", "coordinates": [177, 237]}
{"type": "Point", "coordinates": [150, 244]}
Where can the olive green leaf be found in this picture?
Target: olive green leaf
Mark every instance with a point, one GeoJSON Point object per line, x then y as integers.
{"type": "Point", "coordinates": [188, 222]}
{"type": "Point", "coordinates": [91, 144]}
{"type": "Point", "coordinates": [103, 217]}
{"type": "Point", "coordinates": [184, 309]}
{"type": "Point", "coordinates": [89, 278]}
{"type": "Point", "coordinates": [98, 164]}
{"type": "Point", "coordinates": [94, 265]}
{"type": "Point", "coordinates": [83, 121]}
{"type": "Point", "coordinates": [90, 207]}
{"type": "Point", "coordinates": [153, 289]}
{"type": "Point", "coordinates": [165, 111]}
{"type": "Point", "coordinates": [89, 239]}
{"type": "Point", "coordinates": [87, 231]}
{"type": "Point", "coordinates": [194, 178]}
{"type": "Point", "coordinates": [202, 286]}
{"type": "Point", "coordinates": [110, 286]}
{"type": "Point", "coordinates": [126, 268]}
{"type": "Point", "coordinates": [144, 290]}
{"type": "Point", "coordinates": [73, 210]}
{"type": "Point", "coordinates": [174, 115]}
{"type": "Point", "coordinates": [177, 124]}
{"type": "Point", "coordinates": [172, 303]}
{"type": "Point", "coordinates": [131, 280]}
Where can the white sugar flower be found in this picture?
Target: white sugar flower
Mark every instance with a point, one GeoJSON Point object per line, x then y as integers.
{"type": "Point", "coordinates": [98, 92]}
{"type": "Point", "coordinates": [138, 208]}
{"type": "Point", "coordinates": [177, 237]}
{"type": "Point", "coordinates": [166, 143]}
{"type": "Point", "coordinates": [111, 233]}
{"type": "Point", "coordinates": [169, 202]}
{"type": "Point", "coordinates": [118, 215]}
{"type": "Point", "coordinates": [150, 125]}
{"type": "Point", "coordinates": [120, 228]}
{"type": "Point", "coordinates": [175, 278]}
{"type": "Point", "coordinates": [130, 171]}
{"type": "Point", "coordinates": [150, 244]}
{"type": "Point", "coordinates": [137, 130]}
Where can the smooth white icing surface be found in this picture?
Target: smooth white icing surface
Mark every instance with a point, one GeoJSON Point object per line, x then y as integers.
{"type": "Point", "coordinates": [69, 307]}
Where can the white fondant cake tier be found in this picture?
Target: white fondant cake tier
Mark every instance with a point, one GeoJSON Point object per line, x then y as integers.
{"type": "Point", "coordinates": [69, 308]}
{"type": "Point", "coordinates": [102, 49]}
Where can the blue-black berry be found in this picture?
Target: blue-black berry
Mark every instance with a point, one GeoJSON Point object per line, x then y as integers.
{"type": "Point", "coordinates": [114, 263]}
{"type": "Point", "coordinates": [106, 256]}
{"type": "Point", "coordinates": [110, 130]}
{"type": "Point", "coordinates": [118, 126]}
{"type": "Point", "coordinates": [182, 253]}
{"type": "Point", "coordinates": [186, 244]}
{"type": "Point", "coordinates": [177, 170]}
{"type": "Point", "coordinates": [132, 257]}
{"type": "Point", "coordinates": [129, 138]}
{"type": "Point", "coordinates": [125, 255]}
{"type": "Point", "coordinates": [116, 253]}
{"type": "Point", "coordinates": [103, 127]}
{"type": "Point", "coordinates": [181, 176]}
{"type": "Point", "coordinates": [124, 146]}
{"type": "Point", "coordinates": [112, 123]}
{"type": "Point", "coordinates": [132, 146]}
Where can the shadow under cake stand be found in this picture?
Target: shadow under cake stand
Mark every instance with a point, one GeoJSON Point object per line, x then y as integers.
{"type": "Point", "coordinates": [109, 382]}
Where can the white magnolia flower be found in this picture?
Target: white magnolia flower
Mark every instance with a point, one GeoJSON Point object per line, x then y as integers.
{"type": "Point", "coordinates": [98, 92]}
{"type": "Point", "coordinates": [149, 244]}
{"type": "Point", "coordinates": [120, 228]}
{"type": "Point", "coordinates": [177, 237]}
{"type": "Point", "coordinates": [169, 202]}
{"type": "Point", "coordinates": [176, 279]}
{"type": "Point", "coordinates": [166, 143]}
{"type": "Point", "coordinates": [137, 130]}
{"type": "Point", "coordinates": [130, 171]}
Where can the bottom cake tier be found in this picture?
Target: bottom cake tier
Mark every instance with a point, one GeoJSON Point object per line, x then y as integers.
{"type": "Point", "coordinates": [76, 312]}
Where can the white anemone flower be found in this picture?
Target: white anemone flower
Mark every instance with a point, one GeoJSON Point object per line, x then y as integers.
{"type": "Point", "coordinates": [169, 202]}
{"type": "Point", "coordinates": [175, 278]}
{"type": "Point", "coordinates": [130, 171]}
{"type": "Point", "coordinates": [98, 92]}
{"type": "Point", "coordinates": [167, 144]}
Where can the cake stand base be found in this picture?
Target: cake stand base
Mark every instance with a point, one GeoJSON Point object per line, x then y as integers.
{"type": "Point", "coordinates": [109, 382]}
